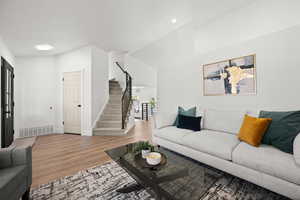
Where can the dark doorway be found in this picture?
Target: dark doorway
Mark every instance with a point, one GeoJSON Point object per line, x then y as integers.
{"type": "Point", "coordinates": [7, 103]}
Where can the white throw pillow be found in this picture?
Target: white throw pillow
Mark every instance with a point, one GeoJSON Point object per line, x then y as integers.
{"type": "Point", "coordinates": [164, 119]}
{"type": "Point", "coordinates": [296, 149]}
{"type": "Point", "coordinates": [223, 120]}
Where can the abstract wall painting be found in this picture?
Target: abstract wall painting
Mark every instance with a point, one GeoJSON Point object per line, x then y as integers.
{"type": "Point", "coordinates": [235, 76]}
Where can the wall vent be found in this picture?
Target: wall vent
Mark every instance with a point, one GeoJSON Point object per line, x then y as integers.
{"type": "Point", "coordinates": [36, 131]}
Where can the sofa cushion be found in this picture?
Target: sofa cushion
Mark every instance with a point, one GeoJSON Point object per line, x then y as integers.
{"type": "Point", "coordinates": [226, 121]}
{"type": "Point", "coordinates": [269, 160]}
{"type": "Point", "coordinates": [181, 111]}
{"type": "Point", "coordinates": [283, 130]}
{"type": "Point", "coordinates": [253, 129]}
{"type": "Point", "coordinates": [172, 133]}
{"type": "Point", "coordinates": [11, 178]}
{"type": "Point", "coordinates": [212, 142]}
{"type": "Point", "coordinates": [191, 123]}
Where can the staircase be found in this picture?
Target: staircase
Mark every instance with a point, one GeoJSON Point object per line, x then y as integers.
{"type": "Point", "coordinates": [113, 120]}
{"type": "Point", "coordinates": [110, 122]}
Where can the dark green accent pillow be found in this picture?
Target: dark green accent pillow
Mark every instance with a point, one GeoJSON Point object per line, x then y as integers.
{"type": "Point", "coordinates": [190, 113]}
{"type": "Point", "coordinates": [190, 123]}
{"type": "Point", "coordinates": [283, 129]}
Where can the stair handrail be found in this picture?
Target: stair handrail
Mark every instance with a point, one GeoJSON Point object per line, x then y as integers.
{"type": "Point", "coordinates": [126, 96]}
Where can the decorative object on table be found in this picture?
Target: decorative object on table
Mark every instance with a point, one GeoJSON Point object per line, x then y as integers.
{"type": "Point", "coordinates": [235, 76]}
{"type": "Point", "coordinates": [253, 129]}
{"type": "Point", "coordinates": [144, 148]}
{"type": "Point", "coordinates": [144, 164]}
{"type": "Point", "coordinates": [283, 130]}
{"type": "Point", "coordinates": [191, 123]}
{"type": "Point", "coordinates": [145, 153]}
{"type": "Point", "coordinates": [153, 158]}
{"type": "Point", "coordinates": [181, 111]}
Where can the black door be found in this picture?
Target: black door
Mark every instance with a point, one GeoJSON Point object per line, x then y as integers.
{"type": "Point", "coordinates": [7, 103]}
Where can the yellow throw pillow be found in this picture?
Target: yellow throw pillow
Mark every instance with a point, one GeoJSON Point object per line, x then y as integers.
{"type": "Point", "coordinates": [253, 129]}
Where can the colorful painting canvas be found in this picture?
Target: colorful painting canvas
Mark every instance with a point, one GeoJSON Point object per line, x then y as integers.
{"type": "Point", "coordinates": [235, 76]}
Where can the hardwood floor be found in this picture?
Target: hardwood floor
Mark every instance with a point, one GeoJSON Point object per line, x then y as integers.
{"type": "Point", "coordinates": [59, 155]}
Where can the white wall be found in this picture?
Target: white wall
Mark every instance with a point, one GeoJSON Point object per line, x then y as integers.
{"type": "Point", "coordinates": [270, 29]}
{"type": "Point", "coordinates": [143, 74]}
{"type": "Point", "coordinates": [144, 78]}
{"type": "Point", "coordinates": [100, 80]}
{"type": "Point", "coordinates": [145, 94]}
{"type": "Point", "coordinates": [7, 55]}
{"type": "Point", "coordinates": [77, 60]}
{"type": "Point", "coordinates": [35, 92]}
{"type": "Point", "coordinates": [39, 86]}
{"type": "Point", "coordinates": [114, 71]}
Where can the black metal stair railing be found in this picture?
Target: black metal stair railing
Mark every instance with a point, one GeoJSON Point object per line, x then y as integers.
{"type": "Point", "coordinates": [126, 97]}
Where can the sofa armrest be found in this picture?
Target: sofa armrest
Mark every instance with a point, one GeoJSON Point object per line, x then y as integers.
{"type": "Point", "coordinates": [164, 119]}
{"type": "Point", "coordinates": [23, 156]}
{"type": "Point", "coordinates": [13, 156]}
{"type": "Point", "coordinates": [296, 149]}
{"type": "Point", "coordinates": [6, 157]}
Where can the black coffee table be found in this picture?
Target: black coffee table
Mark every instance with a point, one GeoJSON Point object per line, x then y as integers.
{"type": "Point", "coordinates": [179, 179]}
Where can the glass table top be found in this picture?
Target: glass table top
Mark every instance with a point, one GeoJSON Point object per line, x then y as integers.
{"type": "Point", "coordinates": [180, 178]}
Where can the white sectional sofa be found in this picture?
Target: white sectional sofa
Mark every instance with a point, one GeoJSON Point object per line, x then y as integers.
{"type": "Point", "coordinates": [217, 145]}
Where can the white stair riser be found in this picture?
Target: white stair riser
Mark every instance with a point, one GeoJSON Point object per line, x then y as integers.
{"type": "Point", "coordinates": [115, 92]}
{"type": "Point", "coordinates": [109, 125]}
{"type": "Point", "coordinates": [115, 96]}
{"type": "Point", "coordinates": [114, 112]}
{"type": "Point", "coordinates": [114, 102]}
{"type": "Point", "coordinates": [114, 107]}
{"type": "Point", "coordinates": [111, 133]}
{"type": "Point", "coordinates": [114, 99]}
{"type": "Point", "coordinates": [113, 83]}
{"type": "Point", "coordinates": [114, 86]}
{"type": "Point", "coordinates": [115, 89]}
{"type": "Point", "coordinates": [111, 117]}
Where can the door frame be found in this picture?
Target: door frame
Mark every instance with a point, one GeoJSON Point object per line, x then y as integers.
{"type": "Point", "coordinates": [82, 108]}
{"type": "Point", "coordinates": [2, 121]}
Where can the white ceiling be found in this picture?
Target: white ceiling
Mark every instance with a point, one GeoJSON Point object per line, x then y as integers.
{"type": "Point", "coordinates": [118, 25]}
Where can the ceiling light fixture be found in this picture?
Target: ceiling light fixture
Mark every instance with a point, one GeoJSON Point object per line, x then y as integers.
{"type": "Point", "coordinates": [174, 20]}
{"type": "Point", "coordinates": [44, 47]}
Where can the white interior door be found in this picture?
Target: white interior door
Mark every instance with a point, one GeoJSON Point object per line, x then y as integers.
{"type": "Point", "coordinates": [72, 102]}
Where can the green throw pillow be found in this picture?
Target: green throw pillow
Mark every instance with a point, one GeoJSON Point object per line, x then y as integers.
{"type": "Point", "coordinates": [283, 129]}
{"type": "Point", "coordinates": [190, 113]}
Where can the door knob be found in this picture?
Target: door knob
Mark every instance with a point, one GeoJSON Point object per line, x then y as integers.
{"type": "Point", "coordinates": [79, 105]}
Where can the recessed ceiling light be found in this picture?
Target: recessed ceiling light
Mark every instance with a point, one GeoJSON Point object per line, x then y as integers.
{"type": "Point", "coordinates": [174, 20]}
{"type": "Point", "coordinates": [44, 47]}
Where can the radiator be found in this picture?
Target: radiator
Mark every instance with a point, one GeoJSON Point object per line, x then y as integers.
{"type": "Point", "coordinates": [36, 131]}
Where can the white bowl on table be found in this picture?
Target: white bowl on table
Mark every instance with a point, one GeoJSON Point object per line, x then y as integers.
{"type": "Point", "coordinates": [153, 158]}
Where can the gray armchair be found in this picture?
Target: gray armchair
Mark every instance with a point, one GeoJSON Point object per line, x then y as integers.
{"type": "Point", "coordinates": [15, 173]}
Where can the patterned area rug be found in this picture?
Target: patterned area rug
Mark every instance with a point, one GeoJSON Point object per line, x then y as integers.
{"type": "Point", "coordinates": [97, 183]}
{"type": "Point", "coordinates": [100, 183]}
